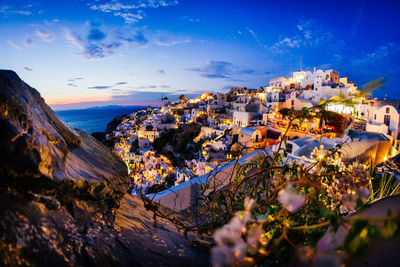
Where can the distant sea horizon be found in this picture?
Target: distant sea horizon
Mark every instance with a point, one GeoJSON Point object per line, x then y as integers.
{"type": "Point", "coordinates": [94, 119]}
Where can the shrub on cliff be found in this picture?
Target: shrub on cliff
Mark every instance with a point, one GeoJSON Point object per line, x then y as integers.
{"type": "Point", "coordinates": [274, 207]}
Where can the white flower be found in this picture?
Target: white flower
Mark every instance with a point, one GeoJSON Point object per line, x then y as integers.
{"type": "Point", "coordinates": [254, 234]}
{"type": "Point", "coordinates": [249, 204]}
{"type": "Point", "coordinates": [349, 203]}
{"type": "Point", "coordinates": [231, 248]}
{"type": "Point", "coordinates": [364, 193]}
{"type": "Point", "coordinates": [291, 200]}
{"type": "Point", "coordinates": [239, 250]}
{"type": "Point", "coordinates": [222, 256]}
{"type": "Point", "coordinates": [230, 233]}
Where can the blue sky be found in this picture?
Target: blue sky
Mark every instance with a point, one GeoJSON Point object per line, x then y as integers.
{"type": "Point", "coordinates": [105, 52]}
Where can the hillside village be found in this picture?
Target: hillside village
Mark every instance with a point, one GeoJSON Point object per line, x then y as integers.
{"type": "Point", "coordinates": [183, 141]}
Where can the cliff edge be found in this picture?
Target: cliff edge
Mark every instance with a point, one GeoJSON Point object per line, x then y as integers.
{"type": "Point", "coordinates": [61, 191]}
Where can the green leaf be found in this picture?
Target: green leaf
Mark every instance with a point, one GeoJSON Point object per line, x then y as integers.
{"type": "Point", "coordinates": [390, 230]}
{"type": "Point", "coordinates": [359, 236]}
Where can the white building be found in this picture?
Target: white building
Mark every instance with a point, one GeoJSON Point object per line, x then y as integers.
{"type": "Point", "coordinates": [148, 132]}
{"type": "Point", "coordinates": [241, 102]}
{"type": "Point", "coordinates": [312, 86]}
{"type": "Point", "coordinates": [384, 119]}
{"type": "Point", "coordinates": [296, 103]}
{"type": "Point", "coordinates": [182, 175]}
{"type": "Point", "coordinates": [244, 119]}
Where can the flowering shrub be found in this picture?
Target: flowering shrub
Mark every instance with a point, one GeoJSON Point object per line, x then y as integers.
{"type": "Point", "coordinates": [274, 205]}
{"type": "Point", "coordinates": [292, 206]}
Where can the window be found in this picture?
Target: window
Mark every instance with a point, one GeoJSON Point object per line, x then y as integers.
{"type": "Point", "coordinates": [387, 110]}
{"type": "Point", "coordinates": [375, 117]}
{"type": "Point", "coordinates": [292, 102]}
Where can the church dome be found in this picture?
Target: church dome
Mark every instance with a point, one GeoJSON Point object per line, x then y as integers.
{"type": "Point", "coordinates": [183, 97]}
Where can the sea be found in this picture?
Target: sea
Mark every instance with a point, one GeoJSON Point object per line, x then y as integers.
{"type": "Point", "coordinates": [94, 119]}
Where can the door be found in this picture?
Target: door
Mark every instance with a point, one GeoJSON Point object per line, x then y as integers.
{"type": "Point", "coordinates": [386, 120]}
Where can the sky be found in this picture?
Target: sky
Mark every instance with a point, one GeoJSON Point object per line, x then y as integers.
{"type": "Point", "coordinates": [80, 54]}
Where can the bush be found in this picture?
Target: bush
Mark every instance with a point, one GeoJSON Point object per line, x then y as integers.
{"type": "Point", "coordinates": [270, 206]}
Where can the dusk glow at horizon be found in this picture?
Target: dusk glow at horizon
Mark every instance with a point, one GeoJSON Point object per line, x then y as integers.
{"type": "Point", "coordinates": [80, 54]}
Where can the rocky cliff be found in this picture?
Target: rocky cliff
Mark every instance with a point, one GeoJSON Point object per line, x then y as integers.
{"type": "Point", "coordinates": [60, 192]}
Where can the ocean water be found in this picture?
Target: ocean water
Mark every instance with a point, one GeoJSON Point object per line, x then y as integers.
{"type": "Point", "coordinates": [94, 119]}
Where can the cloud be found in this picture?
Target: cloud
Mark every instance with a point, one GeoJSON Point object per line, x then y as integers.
{"type": "Point", "coordinates": [148, 96]}
{"type": "Point", "coordinates": [90, 48]}
{"type": "Point", "coordinates": [23, 12]}
{"type": "Point", "coordinates": [74, 39]}
{"type": "Point", "coordinates": [71, 81]}
{"type": "Point", "coordinates": [130, 17]}
{"type": "Point", "coordinates": [99, 87]}
{"type": "Point", "coordinates": [189, 19]}
{"type": "Point", "coordinates": [255, 37]}
{"type": "Point", "coordinates": [14, 45]}
{"type": "Point", "coordinates": [221, 69]}
{"type": "Point", "coordinates": [5, 10]}
{"type": "Point", "coordinates": [99, 44]}
{"type": "Point", "coordinates": [164, 39]}
{"type": "Point", "coordinates": [288, 42]}
{"type": "Point", "coordinates": [45, 35]}
{"type": "Point", "coordinates": [144, 87]}
{"type": "Point", "coordinates": [130, 11]}
{"type": "Point", "coordinates": [28, 69]}
{"type": "Point", "coordinates": [75, 79]}
{"type": "Point", "coordinates": [28, 42]}
{"type": "Point", "coordinates": [161, 71]}
{"type": "Point", "coordinates": [96, 35]}
{"type": "Point", "coordinates": [102, 87]}
{"type": "Point", "coordinates": [377, 61]}
{"type": "Point", "coordinates": [130, 36]}
{"type": "Point", "coordinates": [383, 51]}
{"type": "Point", "coordinates": [309, 34]}
{"type": "Point", "coordinates": [50, 23]}
{"type": "Point", "coordinates": [162, 88]}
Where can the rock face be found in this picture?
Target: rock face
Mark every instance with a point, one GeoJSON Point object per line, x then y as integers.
{"type": "Point", "coordinates": [60, 192]}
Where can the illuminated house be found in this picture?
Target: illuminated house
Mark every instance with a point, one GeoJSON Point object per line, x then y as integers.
{"type": "Point", "coordinates": [241, 102]}
{"type": "Point", "coordinates": [252, 138]}
{"type": "Point", "coordinates": [148, 132]}
{"type": "Point", "coordinates": [365, 147]}
{"type": "Point", "coordinates": [244, 119]}
{"type": "Point", "coordinates": [182, 175]}
{"type": "Point", "coordinates": [384, 119]}
{"type": "Point", "coordinates": [296, 103]}
{"type": "Point", "coordinates": [165, 101]}
{"type": "Point", "coordinates": [312, 86]}
{"type": "Point", "coordinates": [238, 90]}
{"type": "Point", "coordinates": [275, 99]}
